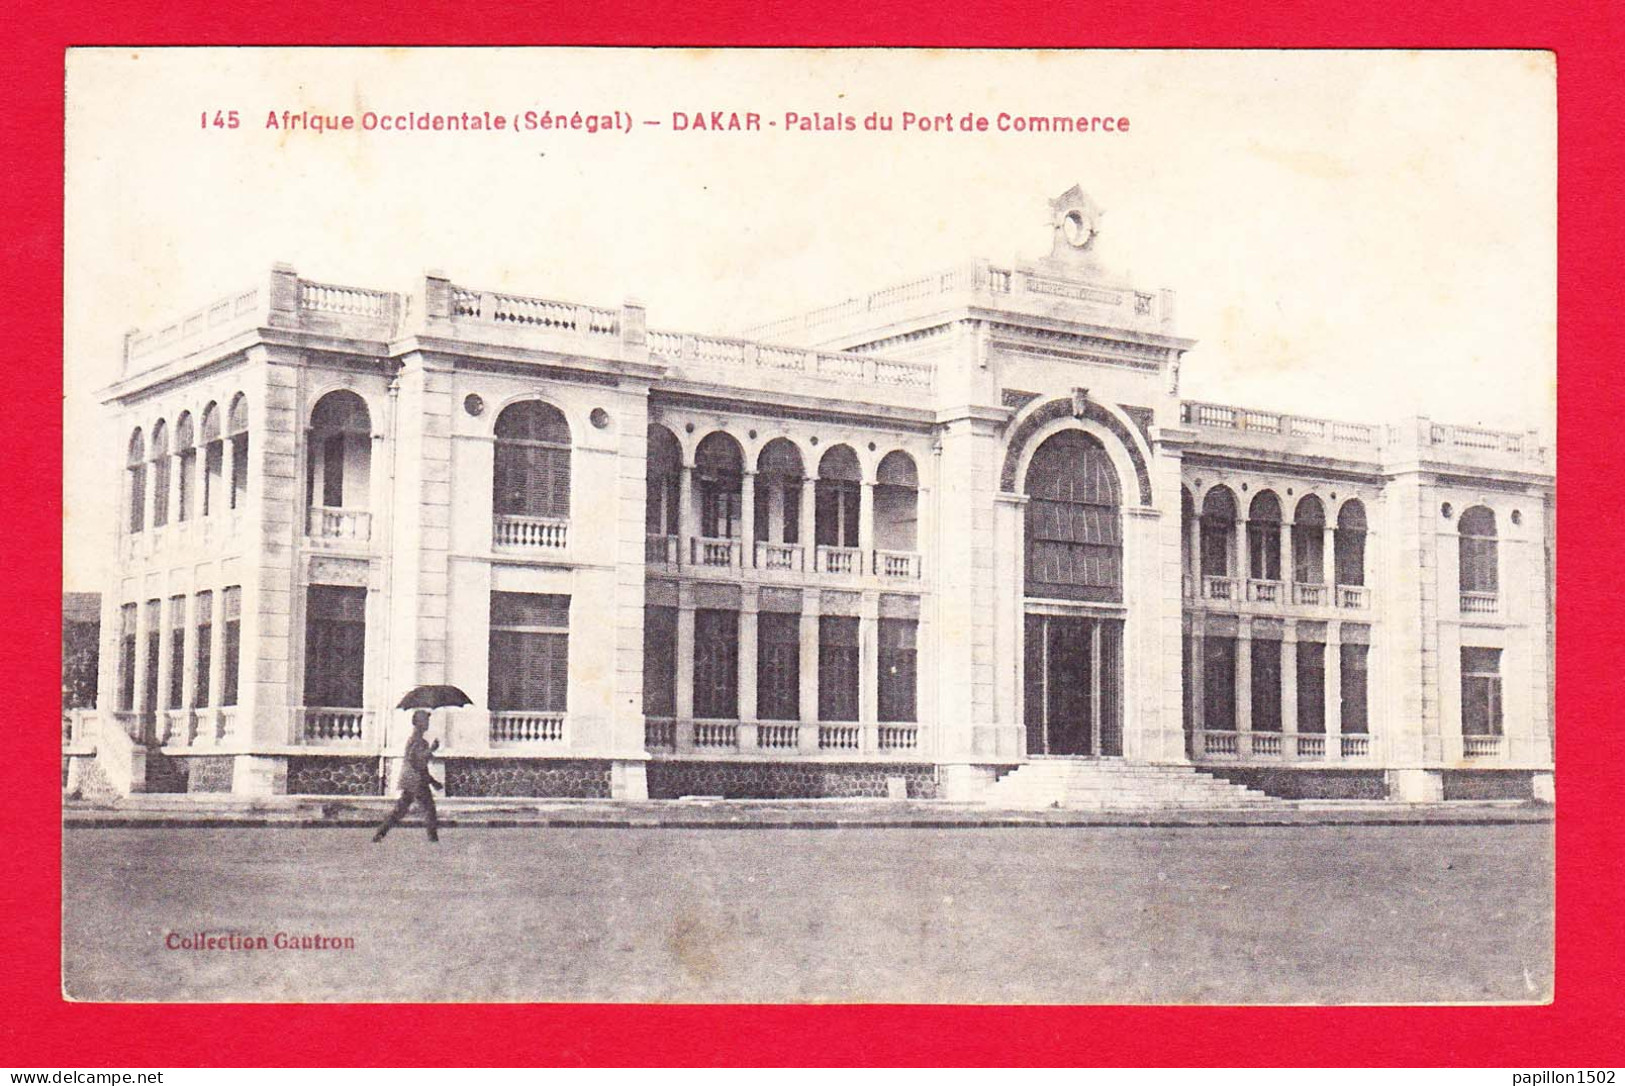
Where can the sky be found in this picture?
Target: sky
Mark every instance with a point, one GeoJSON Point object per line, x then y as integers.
{"type": "Point", "coordinates": [1362, 235]}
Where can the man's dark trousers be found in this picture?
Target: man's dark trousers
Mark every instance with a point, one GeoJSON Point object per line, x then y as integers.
{"type": "Point", "coordinates": [421, 794]}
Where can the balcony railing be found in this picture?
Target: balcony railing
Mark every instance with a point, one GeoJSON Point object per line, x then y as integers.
{"type": "Point", "coordinates": [717, 553]}
{"type": "Point", "coordinates": [79, 727]}
{"type": "Point", "coordinates": [897, 564]}
{"type": "Point", "coordinates": [514, 728]}
{"type": "Point", "coordinates": [348, 524]}
{"type": "Point", "coordinates": [660, 550]}
{"type": "Point", "coordinates": [898, 736]}
{"type": "Point", "coordinates": [1353, 597]}
{"type": "Point", "coordinates": [1278, 746]}
{"type": "Point", "coordinates": [1480, 603]}
{"type": "Point", "coordinates": [716, 734]}
{"type": "Point", "coordinates": [779, 556]}
{"type": "Point", "coordinates": [840, 737]}
{"type": "Point", "coordinates": [180, 727]}
{"type": "Point", "coordinates": [659, 733]}
{"type": "Point", "coordinates": [1481, 746]}
{"type": "Point", "coordinates": [1220, 588]}
{"type": "Point", "coordinates": [778, 736]}
{"type": "Point", "coordinates": [1309, 595]}
{"type": "Point", "coordinates": [1264, 591]}
{"type": "Point", "coordinates": [329, 726]}
{"type": "Point", "coordinates": [839, 559]}
{"type": "Point", "coordinates": [538, 533]}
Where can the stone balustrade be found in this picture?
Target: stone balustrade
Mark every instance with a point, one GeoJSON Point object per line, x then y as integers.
{"type": "Point", "coordinates": [732, 738]}
{"type": "Point", "coordinates": [524, 728]}
{"type": "Point", "coordinates": [530, 533]}
{"type": "Point", "coordinates": [333, 726]}
{"type": "Point", "coordinates": [1480, 603]}
{"type": "Point", "coordinates": [352, 525]}
{"type": "Point", "coordinates": [1260, 746]}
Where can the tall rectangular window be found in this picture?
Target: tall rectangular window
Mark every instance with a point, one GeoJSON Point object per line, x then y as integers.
{"type": "Point", "coordinates": [837, 667]}
{"type": "Point", "coordinates": [1311, 687]}
{"type": "Point", "coordinates": [214, 463]}
{"type": "Point", "coordinates": [239, 469]}
{"type": "Point", "coordinates": [335, 646]}
{"type": "Point", "coordinates": [160, 491]}
{"type": "Point", "coordinates": [155, 635]}
{"type": "Point", "coordinates": [138, 497]}
{"type": "Point", "coordinates": [126, 657]}
{"type": "Point", "coordinates": [835, 504]}
{"type": "Point", "coordinates": [204, 653]}
{"type": "Point", "coordinates": [530, 652]}
{"type": "Point", "coordinates": [231, 642]}
{"type": "Point", "coordinates": [716, 664]}
{"type": "Point", "coordinates": [1480, 691]}
{"type": "Point", "coordinates": [778, 666]}
{"type": "Point", "coordinates": [1352, 660]}
{"type": "Point", "coordinates": [177, 652]}
{"type": "Point", "coordinates": [1266, 685]}
{"type": "Point", "coordinates": [660, 661]}
{"type": "Point", "coordinates": [1219, 684]}
{"type": "Point", "coordinates": [185, 484]}
{"type": "Point", "coordinates": [898, 661]}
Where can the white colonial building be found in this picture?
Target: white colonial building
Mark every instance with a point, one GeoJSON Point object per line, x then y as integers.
{"type": "Point", "coordinates": [959, 536]}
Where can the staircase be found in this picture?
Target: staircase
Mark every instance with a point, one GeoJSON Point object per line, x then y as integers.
{"type": "Point", "coordinates": [1114, 785]}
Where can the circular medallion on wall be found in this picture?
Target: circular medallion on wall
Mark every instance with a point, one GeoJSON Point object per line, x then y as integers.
{"type": "Point", "coordinates": [599, 417]}
{"type": "Point", "coordinates": [473, 405]}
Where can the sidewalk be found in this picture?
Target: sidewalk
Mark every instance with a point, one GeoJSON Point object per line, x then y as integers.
{"type": "Point", "coordinates": [161, 811]}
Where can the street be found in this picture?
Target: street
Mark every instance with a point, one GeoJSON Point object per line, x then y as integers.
{"type": "Point", "coordinates": [1333, 913]}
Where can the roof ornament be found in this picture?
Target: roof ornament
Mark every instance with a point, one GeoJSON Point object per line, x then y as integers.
{"type": "Point", "coordinates": [1075, 219]}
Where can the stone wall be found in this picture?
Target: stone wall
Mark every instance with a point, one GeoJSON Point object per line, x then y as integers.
{"type": "Point", "coordinates": [1487, 784]}
{"type": "Point", "coordinates": [1307, 783]}
{"type": "Point", "coordinates": [527, 777]}
{"type": "Point", "coordinates": [783, 780]}
{"type": "Point", "coordinates": [338, 776]}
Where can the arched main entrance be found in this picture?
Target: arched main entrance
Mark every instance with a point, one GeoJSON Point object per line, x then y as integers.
{"type": "Point", "coordinates": [1073, 579]}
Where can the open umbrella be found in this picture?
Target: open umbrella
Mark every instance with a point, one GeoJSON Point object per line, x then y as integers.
{"type": "Point", "coordinates": [434, 697]}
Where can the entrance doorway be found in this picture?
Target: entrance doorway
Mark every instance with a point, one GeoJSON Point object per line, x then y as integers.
{"type": "Point", "coordinates": [1074, 669]}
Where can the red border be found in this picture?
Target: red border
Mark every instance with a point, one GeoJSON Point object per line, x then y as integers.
{"type": "Point", "coordinates": [1582, 1028]}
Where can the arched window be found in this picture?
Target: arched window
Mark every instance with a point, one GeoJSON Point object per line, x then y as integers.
{"type": "Point", "coordinates": [1074, 529]}
{"type": "Point", "coordinates": [663, 483]}
{"type": "Point", "coordinates": [1264, 537]}
{"type": "Point", "coordinates": [237, 434]}
{"type": "Point", "coordinates": [338, 466]}
{"type": "Point", "coordinates": [1309, 541]}
{"type": "Point", "coordinates": [1479, 560]}
{"type": "Point", "coordinates": [160, 474]}
{"type": "Point", "coordinates": [186, 466]}
{"type": "Point", "coordinates": [719, 467]}
{"type": "Point", "coordinates": [1218, 532]}
{"type": "Point", "coordinates": [1348, 543]}
{"type": "Point", "coordinates": [214, 460]}
{"type": "Point", "coordinates": [136, 491]}
{"type": "Point", "coordinates": [532, 476]}
{"type": "Point", "coordinates": [897, 503]}
{"type": "Point", "coordinates": [779, 473]}
{"type": "Point", "coordinates": [838, 498]}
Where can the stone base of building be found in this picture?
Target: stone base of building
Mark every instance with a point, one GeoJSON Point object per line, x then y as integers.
{"type": "Point", "coordinates": [787, 780]}
{"type": "Point", "coordinates": [1306, 783]}
{"type": "Point", "coordinates": [535, 777]}
{"type": "Point", "coordinates": [1490, 783]}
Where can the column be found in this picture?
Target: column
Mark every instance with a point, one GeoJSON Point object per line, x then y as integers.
{"type": "Point", "coordinates": [807, 533]}
{"type": "Point", "coordinates": [1334, 690]}
{"type": "Point", "coordinates": [684, 701]}
{"type": "Point", "coordinates": [1198, 682]}
{"type": "Point", "coordinates": [1286, 561]}
{"type": "Point", "coordinates": [189, 656]}
{"type": "Point", "coordinates": [1289, 687]}
{"type": "Point", "coordinates": [747, 537]}
{"type": "Point", "coordinates": [1328, 563]}
{"type": "Point", "coordinates": [688, 517]}
{"type": "Point", "coordinates": [165, 638]}
{"type": "Point", "coordinates": [747, 659]}
{"type": "Point", "coordinates": [228, 471]}
{"type": "Point", "coordinates": [869, 668]}
{"type": "Point", "coordinates": [1244, 685]}
{"type": "Point", "coordinates": [143, 678]}
{"type": "Point", "coordinates": [209, 724]}
{"type": "Point", "coordinates": [866, 527]}
{"type": "Point", "coordinates": [1194, 531]}
{"type": "Point", "coordinates": [1242, 570]}
{"type": "Point", "coordinates": [809, 670]}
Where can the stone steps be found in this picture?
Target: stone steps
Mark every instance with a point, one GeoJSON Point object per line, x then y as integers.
{"type": "Point", "coordinates": [1118, 786]}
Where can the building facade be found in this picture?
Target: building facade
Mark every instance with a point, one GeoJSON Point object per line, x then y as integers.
{"type": "Point", "coordinates": [911, 542]}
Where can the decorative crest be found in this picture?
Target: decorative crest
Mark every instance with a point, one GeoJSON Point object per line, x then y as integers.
{"type": "Point", "coordinates": [1076, 219]}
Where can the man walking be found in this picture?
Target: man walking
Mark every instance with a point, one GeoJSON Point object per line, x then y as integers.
{"type": "Point", "coordinates": [416, 781]}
